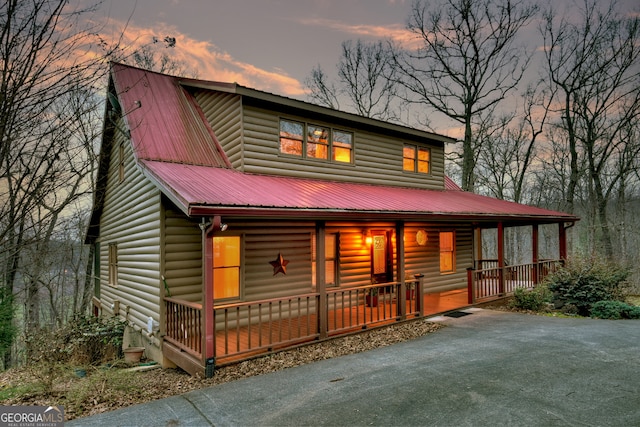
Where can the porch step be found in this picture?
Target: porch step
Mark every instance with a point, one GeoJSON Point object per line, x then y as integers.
{"type": "Point", "coordinates": [183, 360]}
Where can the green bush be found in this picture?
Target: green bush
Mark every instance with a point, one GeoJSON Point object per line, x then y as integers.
{"type": "Point", "coordinates": [8, 330]}
{"type": "Point", "coordinates": [614, 310]}
{"type": "Point", "coordinates": [582, 283]}
{"type": "Point", "coordinates": [535, 299]}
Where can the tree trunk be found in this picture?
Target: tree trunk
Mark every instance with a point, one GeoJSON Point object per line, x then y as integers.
{"type": "Point", "coordinates": [468, 159]}
{"type": "Point", "coordinates": [88, 290]}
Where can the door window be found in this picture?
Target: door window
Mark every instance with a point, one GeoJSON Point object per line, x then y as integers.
{"type": "Point", "coordinates": [380, 257]}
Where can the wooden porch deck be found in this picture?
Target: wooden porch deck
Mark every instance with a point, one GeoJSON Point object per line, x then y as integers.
{"type": "Point", "coordinates": [246, 329]}
{"type": "Point", "coordinates": [243, 342]}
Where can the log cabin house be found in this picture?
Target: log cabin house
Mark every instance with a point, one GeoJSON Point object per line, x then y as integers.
{"type": "Point", "coordinates": [230, 222]}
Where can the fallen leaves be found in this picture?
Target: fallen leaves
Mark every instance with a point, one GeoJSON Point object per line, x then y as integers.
{"type": "Point", "coordinates": [160, 383]}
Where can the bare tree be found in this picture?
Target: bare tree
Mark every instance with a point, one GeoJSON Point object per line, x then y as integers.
{"type": "Point", "coordinates": [322, 90]}
{"type": "Point", "coordinates": [156, 56]}
{"type": "Point", "coordinates": [365, 78]}
{"type": "Point", "coordinates": [594, 65]}
{"type": "Point", "coordinates": [549, 185]}
{"type": "Point", "coordinates": [509, 149]}
{"type": "Point", "coordinates": [467, 62]}
{"type": "Point", "coordinates": [41, 165]}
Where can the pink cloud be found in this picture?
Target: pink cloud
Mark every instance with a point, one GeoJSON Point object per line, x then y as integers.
{"type": "Point", "coordinates": [207, 61]}
{"type": "Point", "coordinates": [395, 32]}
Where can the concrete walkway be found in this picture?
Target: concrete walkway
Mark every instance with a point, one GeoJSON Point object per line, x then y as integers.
{"type": "Point", "coordinates": [488, 368]}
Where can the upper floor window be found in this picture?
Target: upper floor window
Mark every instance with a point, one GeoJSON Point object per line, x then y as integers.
{"type": "Point", "coordinates": [291, 137]}
{"type": "Point", "coordinates": [342, 146]}
{"type": "Point", "coordinates": [315, 142]}
{"type": "Point", "coordinates": [416, 159]}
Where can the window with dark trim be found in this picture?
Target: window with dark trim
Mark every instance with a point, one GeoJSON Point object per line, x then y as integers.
{"type": "Point", "coordinates": [447, 252]}
{"type": "Point", "coordinates": [416, 159]}
{"type": "Point", "coordinates": [330, 259]}
{"type": "Point", "coordinates": [342, 146]}
{"type": "Point", "coordinates": [113, 264]}
{"type": "Point", "coordinates": [226, 267]}
{"type": "Point", "coordinates": [317, 142]}
{"type": "Point", "coordinates": [291, 137]}
{"type": "Point", "coordinates": [313, 141]}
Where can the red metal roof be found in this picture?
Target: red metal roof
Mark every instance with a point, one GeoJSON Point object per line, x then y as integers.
{"type": "Point", "coordinates": [164, 121]}
{"type": "Point", "coordinates": [450, 185]}
{"type": "Point", "coordinates": [231, 190]}
{"type": "Point", "coordinates": [177, 149]}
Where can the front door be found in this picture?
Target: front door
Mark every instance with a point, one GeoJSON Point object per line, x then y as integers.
{"type": "Point", "coordinates": [381, 262]}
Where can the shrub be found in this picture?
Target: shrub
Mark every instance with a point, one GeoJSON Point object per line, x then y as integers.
{"type": "Point", "coordinates": [95, 339]}
{"type": "Point", "coordinates": [615, 310]}
{"type": "Point", "coordinates": [8, 330]}
{"type": "Point", "coordinates": [584, 282]}
{"type": "Point", "coordinates": [535, 299]}
{"type": "Point", "coordinates": [633, 312]}
{"type": "Point", "coordinates": [84, 340]}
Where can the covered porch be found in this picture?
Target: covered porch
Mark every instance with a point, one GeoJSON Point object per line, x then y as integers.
{"type": "Point", "coordinates": [248, 329]}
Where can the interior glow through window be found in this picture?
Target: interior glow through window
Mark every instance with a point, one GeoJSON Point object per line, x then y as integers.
{"type": "Point", "coordinates": [315, 142]}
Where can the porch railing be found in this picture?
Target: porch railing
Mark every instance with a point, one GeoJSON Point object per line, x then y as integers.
{"type": "Point", "coordinates": [495, 282]}
{"type": "Point", "coordinates": [255, 326]}
{"type": "Point", "coordinates": [364, 306]}
{"type": "Point", "coordinates": [265, 324]}
{"type": "Point", "coordinates": [184, 325]}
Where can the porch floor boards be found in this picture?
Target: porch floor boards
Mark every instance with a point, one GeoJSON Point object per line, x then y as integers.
{"type": "Point", "coordinates": [243, 342]}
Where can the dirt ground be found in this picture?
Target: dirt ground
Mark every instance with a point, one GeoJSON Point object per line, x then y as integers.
{"type": "Point", "coordinates": [108, 389]}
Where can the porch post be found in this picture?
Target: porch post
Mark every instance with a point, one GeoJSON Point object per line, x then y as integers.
{"type": "Point", "coordinates": [562, 236]}
{"type": "Point", "coordinates": [501, 257]}
{"type": "Point", "coordinates": [321, 280]}
{"type": "Point", "coordinates": [208, 350]}
{"type": "Point", "coordinates": [419, 293]}
{"type": "Point", "coordinates": [471, 292]}
{"type": "Point", "coordinates": [402, 299]}
{"type": "Point", "coordinates": [534, 250]}
{"type": "Point", "coordinates": [478, 249]}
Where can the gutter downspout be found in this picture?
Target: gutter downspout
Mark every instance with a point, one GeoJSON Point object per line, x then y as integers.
{"type": "Point", "coordinates": [208, 340]}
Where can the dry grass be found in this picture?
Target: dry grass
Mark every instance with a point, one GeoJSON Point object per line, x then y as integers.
{"type": "Point", "coordinates": [634, 299]}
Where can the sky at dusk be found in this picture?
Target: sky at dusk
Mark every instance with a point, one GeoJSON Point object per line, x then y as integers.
{"type": "Point", "coordinates": [270, 45]}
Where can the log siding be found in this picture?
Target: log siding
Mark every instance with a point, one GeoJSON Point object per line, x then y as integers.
{"type": "Point", "coordinates": [250, 137]}
{"type": "Point", "coordinates": [131, 220]}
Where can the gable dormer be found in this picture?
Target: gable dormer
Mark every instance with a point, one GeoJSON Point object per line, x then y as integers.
{"type": "Point", "coordinates": [268, 134]}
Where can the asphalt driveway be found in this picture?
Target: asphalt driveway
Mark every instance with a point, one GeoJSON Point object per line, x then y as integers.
{"type": "Point", "coordinates": [488, 368]}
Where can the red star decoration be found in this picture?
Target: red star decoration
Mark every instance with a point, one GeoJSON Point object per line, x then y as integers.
{"type": "Point", "coordinates": [279, 265]}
